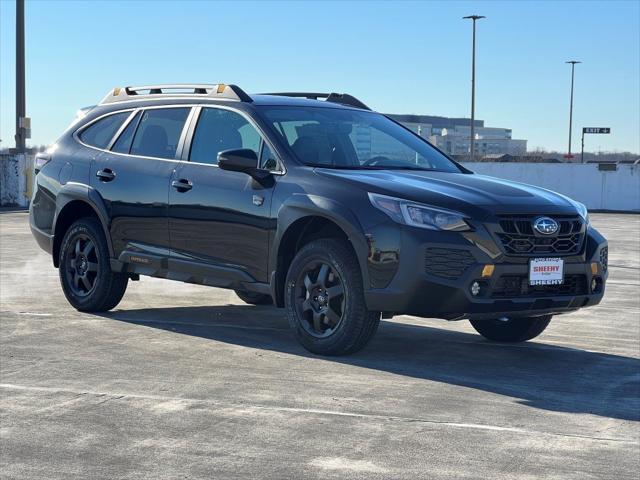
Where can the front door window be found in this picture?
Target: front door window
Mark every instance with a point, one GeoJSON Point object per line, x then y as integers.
{"type": "Point", "coordinates": [220, 130]}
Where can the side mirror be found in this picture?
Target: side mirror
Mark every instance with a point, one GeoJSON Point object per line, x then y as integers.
{"type": "Point", "coordinates": [239, 160]}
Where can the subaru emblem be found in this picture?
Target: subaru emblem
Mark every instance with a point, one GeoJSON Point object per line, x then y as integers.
{"type": "Point", "coordinates": [545, 225]}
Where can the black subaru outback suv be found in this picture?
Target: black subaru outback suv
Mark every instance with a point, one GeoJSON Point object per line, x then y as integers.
{"type": "Point", "coordinates": [308, 201]}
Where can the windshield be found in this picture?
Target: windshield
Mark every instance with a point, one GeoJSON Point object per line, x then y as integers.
{"type": "Point", "coordinates": [353, 139]}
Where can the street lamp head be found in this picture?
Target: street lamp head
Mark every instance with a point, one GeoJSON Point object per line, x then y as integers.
{"type": "Point", "coordinates": [474, 17]}
{"type": "Point", "coordinates": [573, 62]}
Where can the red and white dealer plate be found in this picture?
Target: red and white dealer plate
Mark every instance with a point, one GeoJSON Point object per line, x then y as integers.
{"type": "Point", "coordinates": [546, 271]}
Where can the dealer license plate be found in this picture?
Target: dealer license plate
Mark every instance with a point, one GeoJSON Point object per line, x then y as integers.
{"type": "Point", "coordinates": [546, 271]}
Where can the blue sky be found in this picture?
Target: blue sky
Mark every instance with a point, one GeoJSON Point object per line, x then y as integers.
{"type": "Point", "coordinates": [398, 57]}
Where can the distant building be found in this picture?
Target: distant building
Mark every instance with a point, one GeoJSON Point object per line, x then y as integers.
{"type": "Point", "coordinates": [505, 157]}
{"type": "Point", "coordinates": [452, 135]}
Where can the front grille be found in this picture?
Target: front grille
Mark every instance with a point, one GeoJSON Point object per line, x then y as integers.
{"type": "Point", "coordinates": [518, 238]}
{"type": "Point", "coordinates": [604, 258]}
{"type": "Point", "coordinates": [447, 262]}
{"type": "Point", "coordinates": [509, 286]}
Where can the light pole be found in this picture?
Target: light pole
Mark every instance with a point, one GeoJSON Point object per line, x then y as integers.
{"type": "Point", "coordinates": [573, 67]}
{"type": "Point", "coordinates": [473, 84]}
{"type": "Point", "coordinates": [20, 86]}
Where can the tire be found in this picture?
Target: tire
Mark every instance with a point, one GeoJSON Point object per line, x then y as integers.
{"type": "Point", "coordinates": [513, 330]}
{"type": "Point", "coordinates": [253, 298]}
{"type": "Point", "coordinates": [324, 299]}
{"type": "Point", "coordinates": [85, 271]}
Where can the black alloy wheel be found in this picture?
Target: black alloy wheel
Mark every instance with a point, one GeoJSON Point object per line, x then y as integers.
{"type": "Point", "coordinates": [324, 299]}
{"type": "Point", "coordinates": [81, 266]}
{"type": "Point", "coordinates": [85, 270]}
{"type": "Point", "coordinates": [321, 299]}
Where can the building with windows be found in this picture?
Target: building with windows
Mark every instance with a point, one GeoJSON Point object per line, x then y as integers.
{"type": "Point", "coordinates": [452, 135]}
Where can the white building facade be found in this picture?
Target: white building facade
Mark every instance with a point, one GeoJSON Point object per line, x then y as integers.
{"type": "Point", "coordinates": [452, 135]}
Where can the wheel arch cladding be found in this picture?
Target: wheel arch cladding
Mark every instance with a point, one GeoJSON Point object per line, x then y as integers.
{"type": "Point", "coordinates": [73, 202]}
{"type": "Point", "coordinates": [308, 218]}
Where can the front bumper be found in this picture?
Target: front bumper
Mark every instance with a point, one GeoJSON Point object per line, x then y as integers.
{"type": "Point", "coordinates": [415, 290]}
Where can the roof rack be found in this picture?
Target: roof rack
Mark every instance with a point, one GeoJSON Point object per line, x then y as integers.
{"type": "Point", "coordinates": [341, 98]}
{"type": "Point", "coordinates": [220, 90]}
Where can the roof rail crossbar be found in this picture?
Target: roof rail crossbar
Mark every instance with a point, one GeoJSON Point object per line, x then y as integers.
{"type": "Point", "coordinates": [220, 90]}
{"type": "Point", "coordinates": [341, 98]}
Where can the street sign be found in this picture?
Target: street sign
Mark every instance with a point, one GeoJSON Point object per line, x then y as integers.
{"type": "Point", "coordinates": [596, 130]}
{"type": "Point", "coordinates": [605, 130]}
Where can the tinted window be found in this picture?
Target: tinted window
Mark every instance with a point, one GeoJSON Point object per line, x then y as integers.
{"type": "Point", "coordinates": [354, 139]}
{"type": "Point", "coordinates": [123, 144]}
{"type": "Point", "coordinates": [101, 132]}
{"type": "Point", "coordinates": [219, 130]}
{"type": "Point", "coordinates": [159, 132]}
{"type": "Point", "coordinates": [267, 158]}
{"type": "Point", "coordinates": [250, 137]}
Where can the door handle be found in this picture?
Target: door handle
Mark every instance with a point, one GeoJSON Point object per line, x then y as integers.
{"type": "Point", "coordinates": [106, 175]}
{"type": "Point", "coordinates": [182, 185]}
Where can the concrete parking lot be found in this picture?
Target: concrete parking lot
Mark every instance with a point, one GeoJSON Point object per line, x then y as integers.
{"type": "Point", "coordinates": [183, 381]}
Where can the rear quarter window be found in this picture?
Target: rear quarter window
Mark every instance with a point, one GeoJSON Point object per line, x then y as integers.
{"type": "Point", "coordinates": [99, 134]}
{"type": "Point", "coordinates": [123, 143]}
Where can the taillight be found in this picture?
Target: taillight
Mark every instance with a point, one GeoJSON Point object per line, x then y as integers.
{"type": "Point", "coordinates": [41, 160]}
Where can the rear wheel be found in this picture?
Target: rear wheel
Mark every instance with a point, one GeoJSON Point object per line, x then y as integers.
{"type": "Point", "coordinates": [85, 271]}
{"type": "Point", "coordinates": [254, 298]}
{"type": "Point", "coordinates": [324, 299]}
{"type": "Point", "coordinates": [512, 330]}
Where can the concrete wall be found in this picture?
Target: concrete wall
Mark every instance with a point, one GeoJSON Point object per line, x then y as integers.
{"type": "Point", "coordinates": [598, 190]}
{"type": "Point", "coordinates": [16, 179]}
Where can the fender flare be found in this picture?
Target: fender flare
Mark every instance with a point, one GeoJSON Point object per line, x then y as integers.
{"type": "Point", "coordinates": [73, 191]}
{"type": "Point", "coordinates": [301, 205]}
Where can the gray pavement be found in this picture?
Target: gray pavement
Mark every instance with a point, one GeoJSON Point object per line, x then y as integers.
{"type": "Point", "coordinates": [183, 381]}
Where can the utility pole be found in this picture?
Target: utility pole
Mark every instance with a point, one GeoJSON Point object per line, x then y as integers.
{"type": "Point", "coordinates": [473, 84]}
{"type": "Point", "coordinates": [573, 67]}
{"type": "Point", "coordinates": [21, 121]}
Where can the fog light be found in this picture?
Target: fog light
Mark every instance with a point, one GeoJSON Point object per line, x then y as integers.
{"type": "Point", "coordinates": [594, 284]}
{"type": "Point", "coordinates": [475, 288]}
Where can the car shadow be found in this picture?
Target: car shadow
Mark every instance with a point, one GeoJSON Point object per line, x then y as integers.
{"type": "Point", "coordinates": [540, 375]}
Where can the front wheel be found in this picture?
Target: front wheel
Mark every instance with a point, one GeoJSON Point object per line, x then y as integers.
{"type": "Point", "coordinates": [85, 270]}
{"type": "Point", "coordinates": [512, 330]}
{"type": "Point", "coordinates": [325, 302]}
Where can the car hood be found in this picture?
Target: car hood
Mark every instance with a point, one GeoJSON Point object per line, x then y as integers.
{"type": "Point", "coordinates": [469, 193]}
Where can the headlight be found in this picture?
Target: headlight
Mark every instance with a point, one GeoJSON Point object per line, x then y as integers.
{"type": "Point", "coordinates": [418, 215]}
{"type": "Point", "coordinates": [582, 211]}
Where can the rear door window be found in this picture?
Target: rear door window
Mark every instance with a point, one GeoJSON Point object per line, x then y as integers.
{"type": "Point", "coordinates": [159, 132]}
{"type": "Point", "coordinates": [100, 133]}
